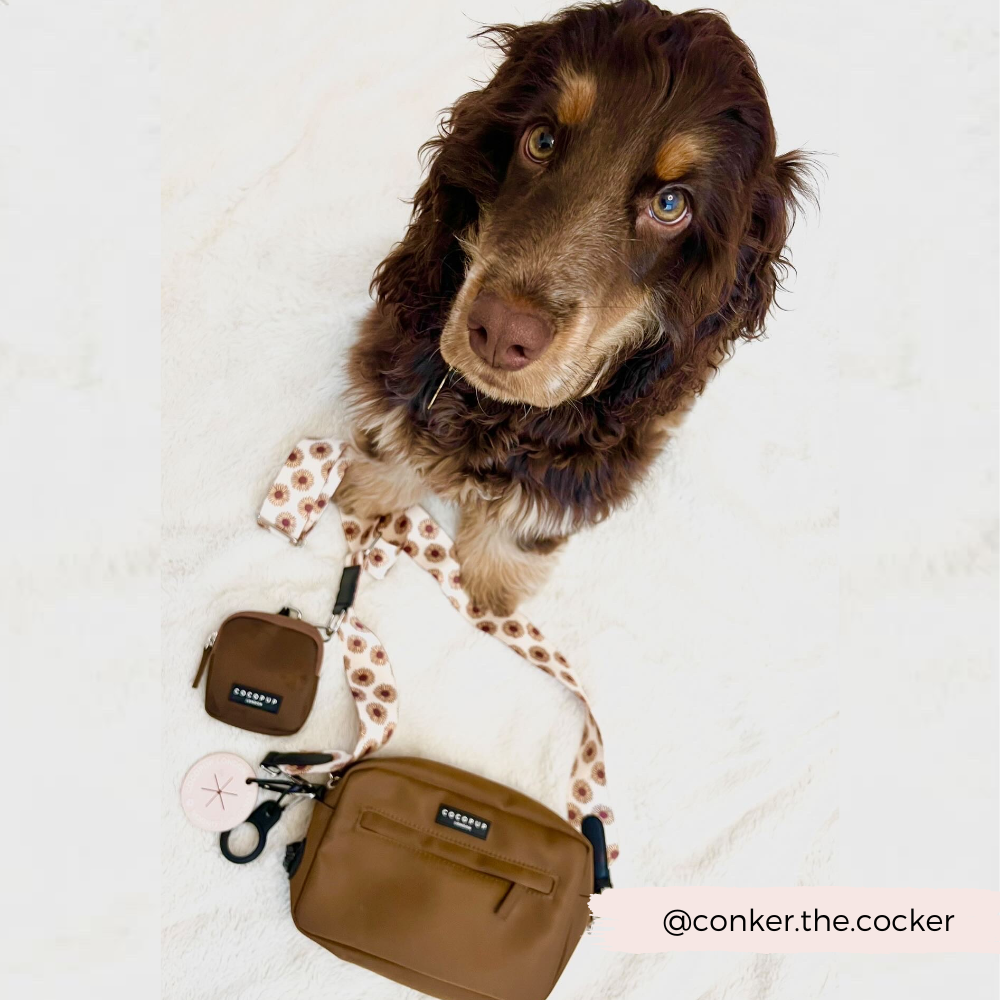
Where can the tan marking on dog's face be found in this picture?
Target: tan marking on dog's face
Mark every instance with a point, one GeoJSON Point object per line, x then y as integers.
{"type": "Point", "coordinates": [677, 156]}
{"type": "Point", "coordinates": [576, 97]}
{"type": "Point", "coordinates": [573, 238]}
{"type": "Point", "coordinates": [574, 367]}
{"type": "Point", "coordinates": [596, 307]}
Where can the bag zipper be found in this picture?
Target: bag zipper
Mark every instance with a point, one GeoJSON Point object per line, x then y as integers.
{"type": "Point", "coordinates": [206, 653]}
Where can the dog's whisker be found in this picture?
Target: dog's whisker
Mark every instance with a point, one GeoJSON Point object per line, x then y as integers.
{"type": "Point", "coordinates": [437, 391]}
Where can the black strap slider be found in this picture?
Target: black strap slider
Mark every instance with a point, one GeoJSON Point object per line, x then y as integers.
{"type": "Point", "coordinates": [348, 588]}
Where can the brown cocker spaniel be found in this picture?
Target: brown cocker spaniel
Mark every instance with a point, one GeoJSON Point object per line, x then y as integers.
{"type": "Point", "coordinates": [600, 224]}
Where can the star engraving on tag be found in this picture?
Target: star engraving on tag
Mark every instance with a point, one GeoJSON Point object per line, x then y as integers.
{"type": "Point", "coordinates": [218, 792]}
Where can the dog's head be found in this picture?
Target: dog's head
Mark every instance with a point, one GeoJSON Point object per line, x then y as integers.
{"type": "Point", "coordinates": [612, 194]}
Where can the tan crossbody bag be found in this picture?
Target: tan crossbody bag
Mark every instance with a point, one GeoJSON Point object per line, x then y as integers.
{"type": "Point", "coordinates": [441, 880]}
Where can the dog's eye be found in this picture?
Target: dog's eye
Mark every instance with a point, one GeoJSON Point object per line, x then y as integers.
{"type": "Point", "coordinates": [669, 206]}
{"type": "Point", "coordinates": [539, 143]}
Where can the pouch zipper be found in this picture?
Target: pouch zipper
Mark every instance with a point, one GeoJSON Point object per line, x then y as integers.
{"type": "Point", "coordinates": [206, 654]}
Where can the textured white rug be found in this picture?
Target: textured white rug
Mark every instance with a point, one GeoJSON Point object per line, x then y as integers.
{"type": "Point", "coordinates": [704, 620]}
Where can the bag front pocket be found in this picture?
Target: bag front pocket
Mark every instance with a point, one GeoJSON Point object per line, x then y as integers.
{"type": "Point", "coordinates": [422, 900]}
{"type": "Point", "coordinates": [513, 877]}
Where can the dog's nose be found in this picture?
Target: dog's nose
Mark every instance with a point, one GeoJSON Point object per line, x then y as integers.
{"type": "Point", "coordinates": [506, 337]}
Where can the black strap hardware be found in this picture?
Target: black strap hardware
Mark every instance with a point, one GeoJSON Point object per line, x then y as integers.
{"type": "Point", "coordinates": [262, 818]}
{"type": "Point", "coordinates": [348, 588]}
{"type": "Point", "coordinates": [273, 759]}
{"type": "Point", "coordinates": [269, 812]}
{"type": "Point", "coordinates": [593, 829]}
{"type": "Point", "coordinates": [293, 856]}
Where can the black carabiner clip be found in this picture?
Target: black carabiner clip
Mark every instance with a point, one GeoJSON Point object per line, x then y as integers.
{"type": "Point", "coordinates": [269, 811]}
{"type": "Point", "coordinates": [262, 819]}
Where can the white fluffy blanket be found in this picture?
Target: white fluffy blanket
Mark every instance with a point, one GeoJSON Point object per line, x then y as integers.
{"type": "Point", "coordinates": [703, 619]}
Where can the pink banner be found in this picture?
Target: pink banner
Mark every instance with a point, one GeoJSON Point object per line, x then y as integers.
{"type": "Point", "coordinates": [798, 919]}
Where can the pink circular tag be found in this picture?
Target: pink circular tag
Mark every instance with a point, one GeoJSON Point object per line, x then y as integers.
{"type": "Point", "coordinates": [215, 794]}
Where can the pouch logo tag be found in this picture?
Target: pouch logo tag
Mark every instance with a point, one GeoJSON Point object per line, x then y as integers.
{"type": "Point", "coordinates": [253, 698]}
{"type": "Point", "coordinates": [464, 822]}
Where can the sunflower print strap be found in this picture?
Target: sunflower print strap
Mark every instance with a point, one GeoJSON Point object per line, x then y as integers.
{"type": "Point", "coordinates": [376, 544]}
{"type": "Point", "coordinates": [372, 684]}
{"type": "Point", "coordinates": [302, 488]}
{"type": "Point", "coordinates": [419, 536]}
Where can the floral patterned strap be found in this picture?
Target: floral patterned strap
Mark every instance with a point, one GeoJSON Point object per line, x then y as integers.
{"type": "Point", "coordinates": [301, 490]}
{"type": "Point", "coordinates": [300, 493]}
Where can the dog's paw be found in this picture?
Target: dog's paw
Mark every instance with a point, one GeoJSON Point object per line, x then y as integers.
{"type": "Point", "coordinates": [491, 591]}
{"type": "Point", "coordinates": [370, 489]}
{"type": "Point", "coordinates": [356, 497]}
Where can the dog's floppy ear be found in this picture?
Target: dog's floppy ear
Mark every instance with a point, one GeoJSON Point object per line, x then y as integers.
{"type": "Point", "coordinates": [421, 270]}
{"type": "Point", "coordinates": [761, 264]}
{"type": "Point", "coordinates": [466, 160]}
{"type": "Point", "coordinates": [659, 376]}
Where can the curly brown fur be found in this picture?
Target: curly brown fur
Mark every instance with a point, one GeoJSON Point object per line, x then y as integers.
{"type": "Point", "coordinates": [642, 313]}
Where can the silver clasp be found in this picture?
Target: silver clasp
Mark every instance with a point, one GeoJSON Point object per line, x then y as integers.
{"type": "Point", "coordinates": [345, 597]}
{"type": "Point", "coordinates": [329, 630]}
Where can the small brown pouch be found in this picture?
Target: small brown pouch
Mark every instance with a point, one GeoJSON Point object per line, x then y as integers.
{"type": "Point", "coordinates": [263, 670]}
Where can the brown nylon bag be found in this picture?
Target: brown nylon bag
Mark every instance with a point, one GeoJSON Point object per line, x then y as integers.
{"type": "Point", "coordinates": [263, 671]}
{"type": "Point", "coordinates": [443, 881]}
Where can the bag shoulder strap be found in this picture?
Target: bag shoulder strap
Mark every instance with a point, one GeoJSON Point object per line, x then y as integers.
{"type": "Point", "coordinates": [304, 487]}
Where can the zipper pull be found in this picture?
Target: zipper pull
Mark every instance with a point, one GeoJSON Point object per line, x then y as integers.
{"type": "Point", "coordinates": [205, 655]}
